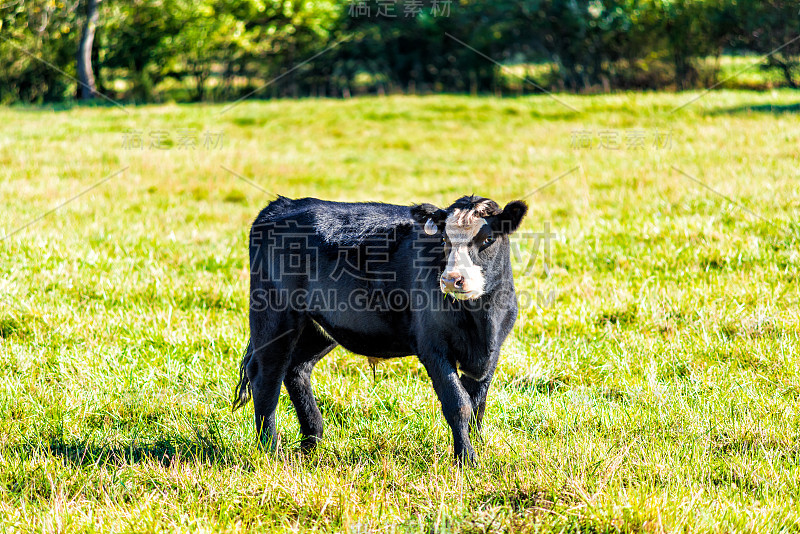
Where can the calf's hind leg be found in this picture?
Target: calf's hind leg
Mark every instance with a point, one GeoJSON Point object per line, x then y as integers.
{"type": "Point", "coordinates": [272, 340]}
{"type": "Point", "coordinates": [477, 390]}
{"type": "Point", "coordinates": [310, 349]}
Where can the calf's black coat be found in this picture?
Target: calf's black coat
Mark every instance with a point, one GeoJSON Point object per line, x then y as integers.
{"type": "Point", "coordinates": [366, 276]}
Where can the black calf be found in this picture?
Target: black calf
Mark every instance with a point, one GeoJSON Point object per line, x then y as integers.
{"type": "Point", "coordinates": [370, 277]}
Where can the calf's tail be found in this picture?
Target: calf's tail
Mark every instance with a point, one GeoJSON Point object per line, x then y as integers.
{"type": "Point", "coordinates": [243, 392]}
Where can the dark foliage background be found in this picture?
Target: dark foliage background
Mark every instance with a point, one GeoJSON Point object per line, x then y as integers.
{"type": "Point", "coordinates": [186, 50]}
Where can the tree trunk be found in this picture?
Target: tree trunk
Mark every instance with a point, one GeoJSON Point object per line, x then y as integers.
{"type": "Point", "coordinates": [85, 75]}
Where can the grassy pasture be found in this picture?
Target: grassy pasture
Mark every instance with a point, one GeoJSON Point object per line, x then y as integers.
{"type": "Point", "coordinates": [657, 392]}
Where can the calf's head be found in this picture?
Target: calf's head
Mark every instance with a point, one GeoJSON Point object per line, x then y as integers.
{"type": "Point", "coordinates": [475, 232]}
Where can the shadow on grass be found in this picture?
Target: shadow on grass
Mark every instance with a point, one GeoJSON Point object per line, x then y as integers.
{"type": "Point", "coordinates": [167, 450]}
{"type": "Point", "coordinates": [210, 450]}
{"type": "Point", "coordinates": [761, 108]}
{"type": "Point", "coordinates": [50, 107]}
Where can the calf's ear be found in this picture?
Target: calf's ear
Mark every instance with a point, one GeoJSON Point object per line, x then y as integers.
{"type": "Point", "coordinates": [509, 220]}
{"type": "Point", "coordinates": [429, 215]}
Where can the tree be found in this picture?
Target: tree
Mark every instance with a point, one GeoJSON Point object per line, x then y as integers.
{"type": "Point", "coordinates": [87, 88]}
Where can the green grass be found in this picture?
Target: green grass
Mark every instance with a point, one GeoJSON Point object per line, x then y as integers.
{"type": "Point", "coordinates": [658, 392]}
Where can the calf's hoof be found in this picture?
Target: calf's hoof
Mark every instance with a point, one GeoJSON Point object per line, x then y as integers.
{"type": "Point", "coordinates": [309, 443]}
{"type": "Point", "coordinates": [466, 459]}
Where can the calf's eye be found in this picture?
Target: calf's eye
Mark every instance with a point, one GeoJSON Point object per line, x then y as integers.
{"type": "Point", "coordinates": [488, 241]}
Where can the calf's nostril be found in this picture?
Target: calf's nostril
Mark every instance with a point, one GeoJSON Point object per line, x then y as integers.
{"type": "Point", "coordinates": [452, 281]}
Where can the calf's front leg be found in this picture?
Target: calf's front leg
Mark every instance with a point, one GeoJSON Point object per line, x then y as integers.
{"type": "Point", "coordinates": [456, 404]}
